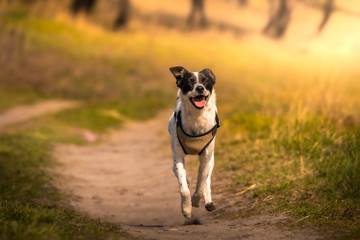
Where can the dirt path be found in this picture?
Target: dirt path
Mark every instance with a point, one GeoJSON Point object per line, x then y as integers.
{"type": "Point", "coordinates": [25, 112]}
{"type": "Point", "coordinates": [128, 179]}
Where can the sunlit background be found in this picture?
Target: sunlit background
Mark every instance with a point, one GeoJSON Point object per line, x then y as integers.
{"type": "Point", "coordinates": [287, 86]}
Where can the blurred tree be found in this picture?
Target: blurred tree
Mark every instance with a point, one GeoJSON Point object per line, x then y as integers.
{"type": "Point", "coordinates": [123, 14]}
{"type": "Point", "coordinates": [327, 10]}
{"type": "Point", "coordinates": [280, 14]}
{"type": "Point", "coordinates": [88, 5]}
{"type": "Point", "coordinates": [197, 8]}
{"type": "Point", "coordinates": [79, 5]}
{"type": "Point", "coordinates": [243, 3]}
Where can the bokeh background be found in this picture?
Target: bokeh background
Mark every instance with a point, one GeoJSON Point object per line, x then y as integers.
{"type": "Point", "coordinates": [287, 87]}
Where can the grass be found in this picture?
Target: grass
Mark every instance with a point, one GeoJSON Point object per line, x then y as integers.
{"type": "Point", "coordinates": [302, 155]}
{"type": "Point", "coordinates": [290, 120]}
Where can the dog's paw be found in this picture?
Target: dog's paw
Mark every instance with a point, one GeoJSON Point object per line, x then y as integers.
{"type": "Point", "coordinates": [210, 206]}
{"type": "Point", "coordinates": [186, 206]}
{"type": "Point", "coordinates": [187, 215]}
{"type": "Point", "coordinates": [195, 200]}
{"type": "Point", "coordinates": [186, 211]}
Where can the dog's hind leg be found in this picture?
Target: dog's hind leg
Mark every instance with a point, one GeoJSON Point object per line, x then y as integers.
{"type": "Point", "coordinates": [203, 186]}
{"type": "Point", "coordinates": [180, 173]}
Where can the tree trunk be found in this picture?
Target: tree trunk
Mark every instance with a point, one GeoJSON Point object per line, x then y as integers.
{"type": "Point", "coordinates": [79, 5]}
{"type": "Point", "coordinates": [123, 14]}
{"type": "Point", "coordinates": [328, 10]}
{"type": "Point", "coordinates": [243, 3]}
{"type": "Point", "coordinates": [197, 9]}
{"type": "Point", "coordinates": [279, 19]}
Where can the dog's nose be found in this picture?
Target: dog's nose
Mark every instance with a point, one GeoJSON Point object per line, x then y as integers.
{"type": "Point", "coordinates": [199, 89]}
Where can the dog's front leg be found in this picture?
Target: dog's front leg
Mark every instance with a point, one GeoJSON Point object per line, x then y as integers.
{"type": "Point", "coordinates": [180, 173]}
{"type": "Point", "coordinates": [203, 185]}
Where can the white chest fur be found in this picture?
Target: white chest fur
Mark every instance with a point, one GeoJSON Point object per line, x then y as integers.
{"type": "Point", "coordinates": [195, 121]}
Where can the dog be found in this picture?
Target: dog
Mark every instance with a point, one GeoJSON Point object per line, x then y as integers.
{"type": "Point", "coordinates": [192, 128]}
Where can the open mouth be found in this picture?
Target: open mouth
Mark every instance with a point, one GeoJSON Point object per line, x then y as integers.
{"type": "Point", "coordinates": [199, 101]}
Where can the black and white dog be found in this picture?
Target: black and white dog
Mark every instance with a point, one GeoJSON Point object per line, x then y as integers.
{"type": "Point", "coordinates": [193, 128]}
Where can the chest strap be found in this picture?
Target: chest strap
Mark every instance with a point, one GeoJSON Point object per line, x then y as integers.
{"type": "Point", "coordinates": [194, 144]}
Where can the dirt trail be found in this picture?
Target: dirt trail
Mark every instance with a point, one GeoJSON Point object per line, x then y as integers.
{"type": "Point", "coordinates": [128, 179]}
{"type": "Point", "coordinates": [25, 112]}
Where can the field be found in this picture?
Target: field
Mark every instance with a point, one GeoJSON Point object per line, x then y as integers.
{"type": "Point", "coordinates": [290, 108]}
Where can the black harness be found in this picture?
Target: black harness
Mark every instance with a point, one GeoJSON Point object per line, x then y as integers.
{"type": "Point", "coordinates": [194, 144]}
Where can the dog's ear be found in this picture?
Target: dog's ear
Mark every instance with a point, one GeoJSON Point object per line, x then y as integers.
{"type": "Point", "coordinates": [207, 72]}
{"type": "Point", "coordinates": [178, 73]}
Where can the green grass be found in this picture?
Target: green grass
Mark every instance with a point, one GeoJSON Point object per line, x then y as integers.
{"type": "Point", "coordinates": [100, 117]}
{"type": "Point", "coordinates": [21, 220]}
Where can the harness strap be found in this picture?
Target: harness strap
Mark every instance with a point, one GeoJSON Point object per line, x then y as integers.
{"type": "Point", "coordinates": [194, 144]}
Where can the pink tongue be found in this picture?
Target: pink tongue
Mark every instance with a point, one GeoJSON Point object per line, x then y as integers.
{"type": "Point", "coordinates": [199, 103]}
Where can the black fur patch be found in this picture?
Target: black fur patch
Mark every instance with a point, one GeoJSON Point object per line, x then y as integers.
{"type": "Point", "coordinates": [187, 82]}
{"type": "Point", "coordinates": [207, 78]}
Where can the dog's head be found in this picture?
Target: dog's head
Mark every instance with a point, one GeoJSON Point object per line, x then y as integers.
{"type": "Point", "coordinates": [195, 86]}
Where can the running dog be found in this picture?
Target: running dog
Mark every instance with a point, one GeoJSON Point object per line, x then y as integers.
{"type": "Point", "coordinates": [193, 127]}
